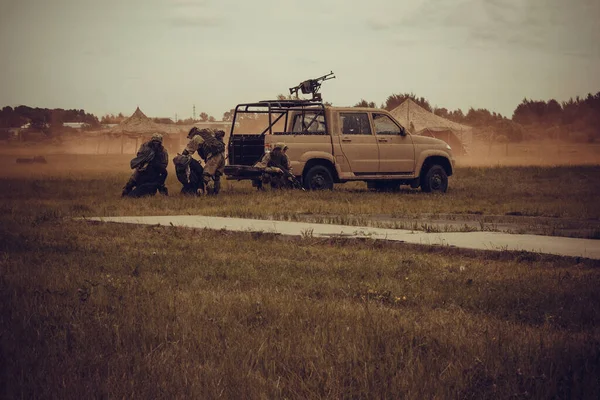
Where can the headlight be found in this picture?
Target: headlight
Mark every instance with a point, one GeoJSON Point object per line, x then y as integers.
{"type": "Point", "coordinates": [448, 147]}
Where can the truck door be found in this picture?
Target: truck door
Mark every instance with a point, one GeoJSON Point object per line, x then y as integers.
{"type": "Point", "coordinates": [358, 143]}
{"type": "Point", "coordinates": [396, 151]}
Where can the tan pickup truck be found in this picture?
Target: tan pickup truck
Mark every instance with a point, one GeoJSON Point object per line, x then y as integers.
{"type": "Point", "coordinates": [330, 145]}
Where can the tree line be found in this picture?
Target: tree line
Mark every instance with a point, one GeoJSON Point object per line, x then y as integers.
{"type": "Point", "coordinates": [44, 118]}
{"type": "Point", "coordinates": [576, 119]}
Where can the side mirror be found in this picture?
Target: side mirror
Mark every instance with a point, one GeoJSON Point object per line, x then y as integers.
{"type": "Point", "coordinates": [402, 131]}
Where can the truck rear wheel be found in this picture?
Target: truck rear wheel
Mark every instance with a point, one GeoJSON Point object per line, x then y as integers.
{"type": "Point", "coordinates": [318, 178]}
{"type": "Point", "coordinates": [435, 180]}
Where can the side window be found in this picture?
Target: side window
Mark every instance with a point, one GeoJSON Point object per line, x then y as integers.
{"type": "Point", "coordinates": [309, 123]}
{"type": "Point", "coordinates": [384, 125]}
{"type": "Point", "coordinates": [355, 124]}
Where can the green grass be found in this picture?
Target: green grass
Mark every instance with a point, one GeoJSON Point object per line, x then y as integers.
{"type": "Point", "coordinates": [117, 311]}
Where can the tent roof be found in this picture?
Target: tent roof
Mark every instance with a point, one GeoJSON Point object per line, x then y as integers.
{"type": "Point", "coordinates": [409, 111]}
{"type": "Point", "coordinates": [139, 124]}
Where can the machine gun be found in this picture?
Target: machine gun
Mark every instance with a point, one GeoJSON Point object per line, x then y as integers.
{"type": "Point", "coordinates": [311, 86]}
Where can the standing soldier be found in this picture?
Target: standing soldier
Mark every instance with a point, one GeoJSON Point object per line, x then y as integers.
{"type": "Point", "coordinates": [212, 151]}
{"type": "Point", "coordinates": [150, 169]}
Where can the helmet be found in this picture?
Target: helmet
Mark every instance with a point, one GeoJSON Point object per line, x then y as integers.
{"type": "Point", "coordinates": [193, 132]}
{"type": "Point", "coordinates": [280, 146]}
{"type": "Point", "coordinates": [219, 133]}
{"type": "Point", "coordinates": [156, 137]}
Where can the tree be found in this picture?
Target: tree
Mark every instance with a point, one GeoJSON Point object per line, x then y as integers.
{"type": "Point", "coordinates": [211, 119]}
{"type": "Point", "coordinates": [228, 115]}
{"type": "Point", "coordinates": [203, 117]}
{"type": "Point", "coordinates": [441, 112]}
{"type": "Point", "coordinates": [364, 103]}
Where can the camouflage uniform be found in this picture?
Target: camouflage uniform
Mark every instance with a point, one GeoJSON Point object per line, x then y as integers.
{"type": "Point", "coordinates": [150, 169]}
{"type": "Point", "coordinates": [214, 160]}
{"type": "Point", "coordinates": [275, 163]}
{"type": "Point", "coordinates": [189, 172]}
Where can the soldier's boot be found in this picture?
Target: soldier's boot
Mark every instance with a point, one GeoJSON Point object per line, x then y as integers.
{"type": "Point", "coordinates": [217, 187]}
{"type": "Point", "coordinates": [163, 190]}
{"type": "Point", "coordinates": [210, 189]}
{"type": "Point", "coordinates": [209, 185]}
{"type": "Point", "coordinates": [127, 188]}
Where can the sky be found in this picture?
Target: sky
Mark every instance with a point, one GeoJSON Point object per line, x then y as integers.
{"type": "Point", "coordinates": [167, 55]}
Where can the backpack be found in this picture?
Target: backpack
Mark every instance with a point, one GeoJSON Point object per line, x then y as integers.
{"type": "Point", "coordinates": [211, 143]}
{"type": "Point", "coordinates": [144, 155]}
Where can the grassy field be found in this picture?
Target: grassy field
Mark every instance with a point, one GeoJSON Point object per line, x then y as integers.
{"type": "Point", "coordinates": [116, 311]}
{"type": "Point", "coordinates": [547, 200]}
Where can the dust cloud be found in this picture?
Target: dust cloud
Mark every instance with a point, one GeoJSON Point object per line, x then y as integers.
{"type": "Point", "coordinates": [99, 156]}
{"type": "Point", "coordinates": [532, 153]}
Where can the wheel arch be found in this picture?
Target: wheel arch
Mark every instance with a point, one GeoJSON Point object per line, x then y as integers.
{"type": "Point", "coordinates": [436, 160]}
{"type": "Point", "coordinates": [323, 162]}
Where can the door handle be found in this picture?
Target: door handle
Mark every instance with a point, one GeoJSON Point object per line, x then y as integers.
{"type": "Point", "coordinates": [346, 140]}
{"type": "Point", "coordinates": [382, 140]}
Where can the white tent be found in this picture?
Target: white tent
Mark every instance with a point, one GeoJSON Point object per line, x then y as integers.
{"type": "Point", "coordinates": [420, 121]}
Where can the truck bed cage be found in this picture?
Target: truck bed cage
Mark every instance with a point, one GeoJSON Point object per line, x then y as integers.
{"type": "Point", "coordinates": [278, 109]}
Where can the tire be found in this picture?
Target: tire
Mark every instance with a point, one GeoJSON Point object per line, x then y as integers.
{"type": "Point", "coordinates": [435, 180]}
{"type": "Point", "coordinates": [318, 178]}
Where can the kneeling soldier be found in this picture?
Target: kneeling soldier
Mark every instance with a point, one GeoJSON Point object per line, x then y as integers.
{"type": "Point", "coordinates": [150, 169]}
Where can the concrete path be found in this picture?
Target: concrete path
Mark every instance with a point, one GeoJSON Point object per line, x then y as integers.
{"type": "Point", "coordinates": [469, 240]}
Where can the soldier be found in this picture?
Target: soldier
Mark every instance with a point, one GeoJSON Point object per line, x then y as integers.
{"type": "Point", "coordinates": [150, 169]}
{"type": "Point", "coordinates": [190, 173]}
{"type": "Point", "coordinates": [212, 151]}
{"type": "Point", "coordinates": [276, 166]}
{"type": "Point", "coordinates": [220, 134]}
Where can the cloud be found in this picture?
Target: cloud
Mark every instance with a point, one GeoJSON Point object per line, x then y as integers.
{"type": "Point", "coordinates": [197, 14]}
{"type": "Point", "coordinates": [190, 3]}
{"type": "Point", "coordinates": [198, 22]}
{"type": "Point", "coordinates": [550, 26]}
{"type": "Point", "coordinates": [377, 25]}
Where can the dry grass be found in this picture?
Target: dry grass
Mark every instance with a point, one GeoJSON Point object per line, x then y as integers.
{"type": "Point", "coordinates": [113, 311]}
{"type": "Point", "coordinates": [546, 200]}
{"type": "Point", "coordinates": [106, 310]}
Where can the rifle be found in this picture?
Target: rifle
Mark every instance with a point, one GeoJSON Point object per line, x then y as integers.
{"type": "Point", "coordinates": [311, 86]}
{"type": "Point", "coordinates": [295, 182]}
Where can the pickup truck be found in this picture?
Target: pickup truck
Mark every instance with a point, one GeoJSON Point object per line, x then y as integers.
{"type": "Point", "coordinates": [330, 145]}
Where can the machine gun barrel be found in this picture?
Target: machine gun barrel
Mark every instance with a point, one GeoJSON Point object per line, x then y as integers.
{"type": "Point", "coordinates": [311, 86]}
{"type": "Point", "coordinates": [325, 77]}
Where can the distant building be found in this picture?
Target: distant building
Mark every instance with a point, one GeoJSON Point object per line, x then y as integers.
{"type": "Point", "coordinates": [74, 125]}
{"type": "Point", "coordinates": [224, 125]}
{"type": "Point", "coordinates": [160, 120]}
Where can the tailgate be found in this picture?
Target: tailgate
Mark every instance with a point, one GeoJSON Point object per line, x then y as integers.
{"type": "Point", "coordinates": [246, 149]}
{"type": "Point", "coordinates": [243, 152]}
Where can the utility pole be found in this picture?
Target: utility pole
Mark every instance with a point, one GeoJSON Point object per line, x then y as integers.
{"type": "Point", "coordinates": [194, 113]}
{"type": "Point", "coordinates": [175, 117]}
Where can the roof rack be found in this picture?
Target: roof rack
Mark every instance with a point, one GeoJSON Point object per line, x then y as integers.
{"type": "Point", "coordinates": [292, 102]}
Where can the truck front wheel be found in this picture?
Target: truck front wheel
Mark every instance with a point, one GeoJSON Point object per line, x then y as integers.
{"type": "Point", "coordinates": [435, 180]}
{"type": "Point", "coordinates": [318, 178]}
